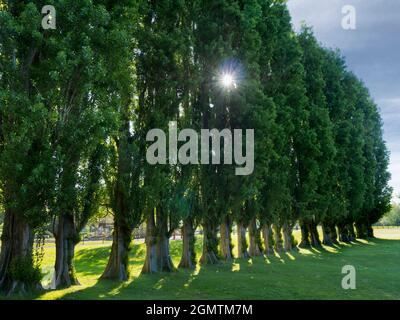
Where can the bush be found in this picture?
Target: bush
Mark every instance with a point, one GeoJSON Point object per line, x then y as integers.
{"type": "Point", "coordinates": [24, 271]}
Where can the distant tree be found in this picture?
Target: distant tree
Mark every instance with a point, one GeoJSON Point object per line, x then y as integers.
{"type": "Point", "coordinates": [391, 218]}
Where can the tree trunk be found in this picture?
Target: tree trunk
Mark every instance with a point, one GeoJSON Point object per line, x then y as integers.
{"type": "Point", "coordinates": [210, 244]}
{"type": "Point", "coordinates": [305, 236]}
{"type": "Point", "coordinates": [267, 235]}
{"type": "Point", "coordinates": [242, 241]}
{"type": "Point", "coordinates": [315, 241]}
{"type": "Point", "coordinates": [225, 239]}
{"type": "Point", "coordinates": [333, 233]}
{"type": "Point", "coordinates": [150, 263]}
{"type": "Point", "coordinates": [278, 238]}
{"type": "Point", "coordinates": [326, 234]}
{"type": "Point", "coordinates": [361, 229]}
{"type": "Point", "coordinates": [66, 239]}
{"type": "Point", "coordinates": [118, 262]}
{"type": "Point", "coordinates": [188, 259]}
{"type": "Point", "coordinates": [16, 250]}
{"type": "Point", "coordinates": [158, 258]}
{"type": "Point", "coordinates": [343, 236]}
{"type": "Point", "coordinates": [370, 231]}
{"type": "Point", "coordinates": [287, 237]}
{"type": "Point", "coordinates": [164, 261]}
{"type": "Point", "coordinates": [255, 249]}
{"type": "Point", "coordinates": [351, 233]}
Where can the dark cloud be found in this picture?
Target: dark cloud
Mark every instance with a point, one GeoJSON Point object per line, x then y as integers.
{"type": "Point", "coordinates": [372, 51]}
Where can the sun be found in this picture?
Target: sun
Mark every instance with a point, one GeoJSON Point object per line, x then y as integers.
{"type": "Point", "coordinates": [228, 80]}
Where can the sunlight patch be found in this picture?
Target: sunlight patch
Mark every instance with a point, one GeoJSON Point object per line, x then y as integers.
{"type": "Point", "coordinates": [159, 284]}
{"type": "Point", "coordinates": [331, 249]}
{"type": "Point", "coordinates": [235, 267]}
{"type": "Point", "coordinates": [291, 257]}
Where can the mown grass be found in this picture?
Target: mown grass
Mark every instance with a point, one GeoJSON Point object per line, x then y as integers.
{"type": "Point", "coordinates": [307, 274]}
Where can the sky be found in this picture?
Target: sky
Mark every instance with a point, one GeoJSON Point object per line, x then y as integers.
{"type": "Point", "coordinates": [372, 52]}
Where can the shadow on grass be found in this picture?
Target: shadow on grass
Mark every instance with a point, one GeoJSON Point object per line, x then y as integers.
{"type": "Point", "coordinates": [93, 261]}
{"type": "Point", "coordinates": [206, 282]}
{"type": "Point", "coordinates": [142, 286]}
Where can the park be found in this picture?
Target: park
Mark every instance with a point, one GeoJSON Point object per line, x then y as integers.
{"type": "Point", "coordinates": [307, 274]}
{"type": "Point", "coordinates": [92, 102]}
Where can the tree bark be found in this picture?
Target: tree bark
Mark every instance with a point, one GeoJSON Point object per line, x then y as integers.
{"type": "Point", "coordinates": [255, 249]}
{"type": "Point", "coordinates": [242, 241]}
{"type": "Point", "coordinates": [210, 244]}
{"type": "Point", "coordinates": [188, 259]}
{"type": "Point", "coordinates": [361, 229]}
{"type": "Point", "coordinates": [326, 234]}
{"type": "Point", "coordinates": [343, 236]}
{"type": "Point", "coordinates": [16, 248]}
{"type": "Point", "coordinates": [267, 235]}
{"type": "Point", "coordinates": [351, 233]}
{"type": "Point", "coordinates": [118, 263]}
{"type": "Point", "coordinates": [150, 263]}
{"type": "Point", "coordinates": [287, 237]}
{"type": "Point", "coordinates": [315, 241]}
{"type": "Point", "coordinates": [225, 239]}
{"type": "Point", "coordinates": [305, 236]}
{"type": "Point", "coordinates": [164, 261]}
{"type": "Point", "coordinates": [278, 238]}
{"type": "Point", "coordinates": [66, 239]}
{"type": "Point", "coordinates": [158, 258]}
{"type": "Point", "coordinates": [333, 233]}
{"type": "Point", "coordinates": [370, 231]}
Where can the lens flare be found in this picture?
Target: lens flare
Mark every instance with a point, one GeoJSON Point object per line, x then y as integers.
{"type": "Point", "coordinates": [228, 80]}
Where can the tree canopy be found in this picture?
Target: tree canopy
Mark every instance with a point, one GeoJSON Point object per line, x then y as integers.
{"type": "Point", "coordinates": [77, 102]}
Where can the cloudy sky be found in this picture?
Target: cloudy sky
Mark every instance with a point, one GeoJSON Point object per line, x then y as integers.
{"type": "Point", "coordinates": [372, 51]}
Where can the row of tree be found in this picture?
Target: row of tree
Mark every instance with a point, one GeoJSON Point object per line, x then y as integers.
{"type": "Point", "coordinates": [77, 102]}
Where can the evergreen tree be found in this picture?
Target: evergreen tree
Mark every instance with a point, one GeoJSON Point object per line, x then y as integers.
{"type": "Point", "coordinates": [321, 123]}
{"type": "Point", "coordinates": [161, 81]}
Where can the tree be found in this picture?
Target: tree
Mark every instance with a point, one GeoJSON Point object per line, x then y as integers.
{"type": "Point", "coordinates": [333, 69]}
{"type": "Point", "coordinates": [392, 218]}
{"type": "Point", "coordinates": [79, 56]}
{"type": "Point", "coordinates": [162, 89]}
{"type": "Point", "coordinates": [27, 165]}
{"type": "Point", "coordinates": [376, 176]}
{"type": "Point", "coordinates": [124, 178]}
{"type": "Point", "coordinates": [291, 182]}
{"type": "Point", "coordinates": [213, 46]}
{"type": "Point", "coordinates": [326, 150]}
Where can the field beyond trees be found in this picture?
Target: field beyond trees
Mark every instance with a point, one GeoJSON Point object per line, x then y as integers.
{"type": "Point", "coordinates": [307, 274]}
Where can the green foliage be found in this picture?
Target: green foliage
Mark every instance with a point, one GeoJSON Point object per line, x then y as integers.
{"type": "Point", "coordinates": [77, 102]}
{"type": "Point", "coordinates": [25, 271]}
{"type": "Point", "coordinates": [392, 218]}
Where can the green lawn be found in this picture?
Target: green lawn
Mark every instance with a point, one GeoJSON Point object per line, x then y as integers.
{"type": "Point", "coordinates": [308, 274]}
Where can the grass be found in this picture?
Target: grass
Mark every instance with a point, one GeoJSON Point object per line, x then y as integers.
{"type": "Point", "coordinates": [307, 274]}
